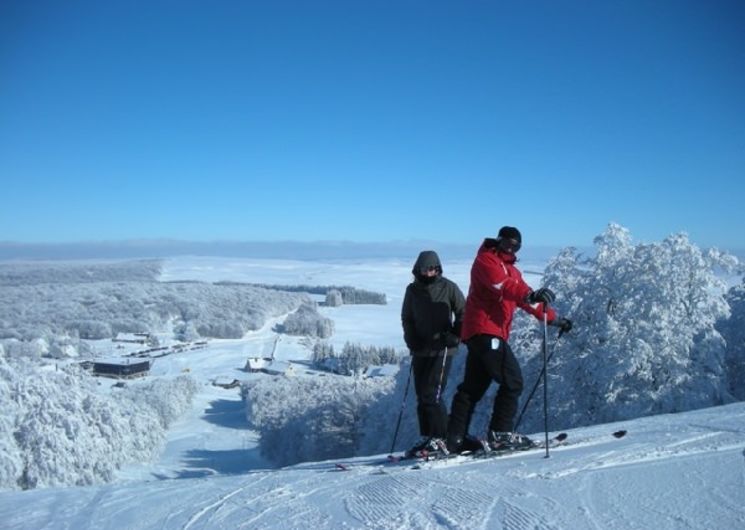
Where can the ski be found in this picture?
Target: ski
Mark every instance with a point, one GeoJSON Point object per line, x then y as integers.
{"type": "Point", "coordinates": [487, 452]}
{"type": "Point", "coordinates": [420, 461]}
{"type": "Point", "coordinates": [559, 439]}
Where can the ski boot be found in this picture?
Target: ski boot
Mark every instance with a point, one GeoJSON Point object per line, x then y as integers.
{"type": "Point", "coordinates": [508, 441]}
{"type": "Point", "coordinates": [466, 444]}
{"type": "Point", "coordinates": [427, 446]}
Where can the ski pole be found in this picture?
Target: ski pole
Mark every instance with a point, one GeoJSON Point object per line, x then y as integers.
{"type": "Point", "coordinates": [442, 374]}
{"type": "Point", "coordinates": [403, 404]}
{"type": "Point", "coordinates": [530, 396]}
{"type": "Point", "coordinates": [535, 387]}
{"type": "Point", "coordinates": [545, 374]}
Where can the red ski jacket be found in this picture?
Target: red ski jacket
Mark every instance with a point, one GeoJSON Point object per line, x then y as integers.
{"type": "Point", "coordinates": [497, 288]}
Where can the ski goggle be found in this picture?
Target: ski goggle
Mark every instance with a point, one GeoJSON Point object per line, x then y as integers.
{"type": "Point", "coordinates": [508, 244]}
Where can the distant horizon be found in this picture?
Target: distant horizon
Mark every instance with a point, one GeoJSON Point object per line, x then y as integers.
{"type": "Point", "coordinates": [144, 248]}
{"type": "Point", "coordinates": [280, 249]}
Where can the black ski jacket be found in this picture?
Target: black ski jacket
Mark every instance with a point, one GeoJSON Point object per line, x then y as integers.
{"type": "Point", "coordinates": [432, 309]}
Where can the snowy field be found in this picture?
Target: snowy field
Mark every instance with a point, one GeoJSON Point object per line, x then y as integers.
{"type": "Point", "coordinates": [671, 471]}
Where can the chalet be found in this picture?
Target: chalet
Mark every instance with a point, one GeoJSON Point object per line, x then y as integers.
{"type": "Point", "coordinates": [257, 364]}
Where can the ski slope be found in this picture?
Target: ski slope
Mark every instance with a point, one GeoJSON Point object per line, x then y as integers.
{"type": "Point", "coordinates": [671, 471]}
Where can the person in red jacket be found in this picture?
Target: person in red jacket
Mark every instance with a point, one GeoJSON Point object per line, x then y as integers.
{"type": "Point", "coordinates": [497, 289]}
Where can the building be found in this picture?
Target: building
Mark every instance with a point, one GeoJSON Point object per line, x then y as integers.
{"type": "Point", "coordinates": [132, 338]}
{"type": "Point", "coordinates": [257, 364]}
{"type": "Point", "coordinates": [118, 369]}
{"type": "Point", "coordinates": [385, 370]}
{"type": "Point", "coordinates": [280, 368]}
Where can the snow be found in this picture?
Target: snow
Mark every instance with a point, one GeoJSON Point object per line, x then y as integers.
{"type": "Point", "coordinates": [669, 472]}
{"type": "Point", "coordinates": [683, 470]}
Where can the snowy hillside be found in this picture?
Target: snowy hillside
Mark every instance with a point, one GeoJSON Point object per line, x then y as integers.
{"type": "Point", "coordinates": [668, 472]}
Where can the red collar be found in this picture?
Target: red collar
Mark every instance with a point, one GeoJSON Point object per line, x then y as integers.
{"type": "Point", "coordinates": [506, 257]}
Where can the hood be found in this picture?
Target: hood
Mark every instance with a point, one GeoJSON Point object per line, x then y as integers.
{"type": "Point", "coordinates": [427, 258]}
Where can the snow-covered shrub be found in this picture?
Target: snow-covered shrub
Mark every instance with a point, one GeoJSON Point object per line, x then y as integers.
{"type": "Point", "coordinates": [302, 419]}
{"type": "Point", "coordinates": [58, 429]}
{"type": "Point", "coordinates": [309, 322]}
{"type": "Point", "coordinates": [644, 340]}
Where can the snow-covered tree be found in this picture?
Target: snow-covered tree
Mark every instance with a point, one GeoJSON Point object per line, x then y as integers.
{"type": "Point", "coordinates": [334, 298]}
{"type": "Point", "coordinates": [354, 358]}
{"type": "Point", "coordinates": [733, 330]}
{"type": "Point", "coordinates": [185, 332]}
{"type": "Point", "coordinates": [322, 351]}
{"type": "Point", "coordinates": [33, 349]}
{"type": "Point", "coordinates": [644, 340]}
{"type": "Point", "coordinates": [11, 461]}
{"type": "Point", "coordinates": [100, 309]}
{"type": "Point", "coordinates": [309, 322]}
{"type": "Point", "coordinates": [59, 429]}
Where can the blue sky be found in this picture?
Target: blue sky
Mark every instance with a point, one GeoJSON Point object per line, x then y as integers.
{"type": "Point", "coordinates": [371, 121]}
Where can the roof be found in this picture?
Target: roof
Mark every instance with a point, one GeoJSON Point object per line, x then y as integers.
{"type": "Point", "coordinates": [385, 370]}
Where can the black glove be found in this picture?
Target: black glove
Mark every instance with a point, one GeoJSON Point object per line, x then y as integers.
{"type": "Point", "coordinates": [451, 339]}
{"type": "Point", "coordinates": [564, 325]}
{"type": "Point", "coordinates": [446, 339]}
{"type": "Point", "coordinates": [543, 295]}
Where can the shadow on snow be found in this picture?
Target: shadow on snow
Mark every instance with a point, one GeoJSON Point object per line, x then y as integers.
{"type": "Point", "coordinates": [227, 413]}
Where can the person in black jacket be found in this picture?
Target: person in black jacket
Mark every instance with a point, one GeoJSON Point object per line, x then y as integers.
{"type": "Point", "coordinates": [431, 316]}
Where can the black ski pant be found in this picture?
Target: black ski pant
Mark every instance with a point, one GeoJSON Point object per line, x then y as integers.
{"type": "Point", "coordinates": [489, 359]}
{"type": "Point", "coordinates": [428, 376]}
